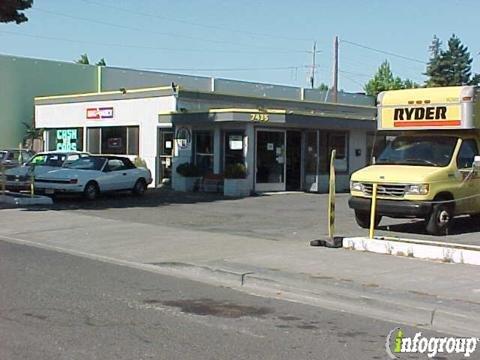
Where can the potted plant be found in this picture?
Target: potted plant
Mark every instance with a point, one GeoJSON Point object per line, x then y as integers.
{"type": "Point", "coordinates": [188, 177]}
{"type": "Point", "coordinates": [236, 183]}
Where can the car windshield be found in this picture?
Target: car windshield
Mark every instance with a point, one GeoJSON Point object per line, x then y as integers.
{"type": "Point", "coordinates": [418, 150]}
{"type": "Point", "coordinates": [2, 154]}
{"type": "Point", "coordinates": [55, 160]}
{"type": "Point", "coordinates": [87, 163]}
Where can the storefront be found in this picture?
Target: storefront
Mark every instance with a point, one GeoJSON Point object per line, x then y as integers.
{"type": "Point", "coordinates": [283, 143]}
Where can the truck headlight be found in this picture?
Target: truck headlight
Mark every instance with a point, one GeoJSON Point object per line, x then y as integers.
{"type": "Point", "coordinates": [356, 186]}
{"type": "Point", "coordinates": [419, 189]}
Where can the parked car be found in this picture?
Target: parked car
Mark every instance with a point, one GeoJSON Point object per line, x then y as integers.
{"type": "Point", "coordinates": [19, 178]}
{"type": "Point", "coordinates": [94, 174]}
{"type": "Point", "coordinates": [10, 158]}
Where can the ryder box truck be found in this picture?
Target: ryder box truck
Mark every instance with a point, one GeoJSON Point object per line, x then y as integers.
{"type": "Point", "coordinates": [428, 165]}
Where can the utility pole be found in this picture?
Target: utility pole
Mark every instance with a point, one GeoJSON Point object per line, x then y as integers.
{"type": "Point", "coordinates": [312, 77]}
{"type": "Point", "coordinates": [335, 69]}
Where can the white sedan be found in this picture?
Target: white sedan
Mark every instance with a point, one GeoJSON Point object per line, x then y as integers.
{"type": "Point", "coordinates": [94, 174]}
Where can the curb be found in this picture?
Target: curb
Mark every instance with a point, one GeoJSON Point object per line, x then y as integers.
{"type": "Point", "coordinates": [421, 249]}
{"type": "Point", "coordinates": [453, 317]}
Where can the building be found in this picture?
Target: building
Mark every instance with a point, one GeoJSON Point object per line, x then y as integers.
{"type": "Point", "coordinates": [282, 134]}
{"type": "Point", "coordinates": [21, 79]}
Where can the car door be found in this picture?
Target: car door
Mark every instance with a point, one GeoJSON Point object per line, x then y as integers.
{"type": "Point", "coordinates": [130, 172]}
{"type": "Point", "coordinates": [470, 185]}
{"type": "Point", "coordinates": [115, 176]}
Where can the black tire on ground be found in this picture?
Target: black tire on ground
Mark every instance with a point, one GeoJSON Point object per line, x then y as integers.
{"type": "Point", "coordinates": [139, 188]}
{"type": "Point", "coordinates": [440, 220]}
{"type": "Point", "coordinates": [475, 218]}
{"type": "Point", "coordinates": [363, 219]}
{"type": "Point", "coordinates": [91, 191]}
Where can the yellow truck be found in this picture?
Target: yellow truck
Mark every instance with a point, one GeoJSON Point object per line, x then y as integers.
{"type": "Point", "coordinates": [428, 166]}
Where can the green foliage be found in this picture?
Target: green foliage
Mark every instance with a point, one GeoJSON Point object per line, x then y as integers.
{"type": "Point", "coordinates": [83, 60]}
{"type": "Point", "coordinates": [236, 171]}
{"type": "Point", "coordinates": [140, 163]}
{"type": "Point", "coordinates": [450, 67]}
{"type": "Point", "coordinates": [188, 170]}
{"type": "Point", "coordinates": [10, 10]}
{"type": "Point", "coordinates": [323, 87]}
{"type": "Point", "coordinates": [101, 62]}
{"type": "Point", "coordinates": [385, 80]}
{"type": "Point", "coordinates": [31, 134]}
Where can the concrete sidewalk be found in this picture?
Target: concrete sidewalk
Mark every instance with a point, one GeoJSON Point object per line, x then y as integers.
{"type": "Point", "coordinates": [444, 297]}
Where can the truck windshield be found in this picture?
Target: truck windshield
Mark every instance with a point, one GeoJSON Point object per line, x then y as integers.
{"type": "Point", "coordinates": [418, 150]}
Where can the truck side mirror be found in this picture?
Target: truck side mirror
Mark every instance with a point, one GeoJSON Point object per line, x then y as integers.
{"type": "Point", "coordinates": [476, 162]}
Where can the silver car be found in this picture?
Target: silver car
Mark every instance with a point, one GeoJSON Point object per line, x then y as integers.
{"type": "Point", "coordinates": [19, 178]}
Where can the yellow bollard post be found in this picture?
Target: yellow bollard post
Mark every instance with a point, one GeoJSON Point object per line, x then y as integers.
{"type": "Point", "coordinates": [373, 210]}
{"type": "Point", "coordinates": [331, 197]}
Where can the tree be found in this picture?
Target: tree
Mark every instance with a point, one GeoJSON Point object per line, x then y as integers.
{"type": "Point", "coordinates": [85, 61]}
{"type": "Point", "coordinates": [323, 87]}
{"type": "Point", "coordinates": [101, 62]}
{"type": "Point", "coordinates": [11, 10]}
{"type": "Point", "coordinates": [385, 80]}
{"type": "Point", "coordinates": [449, 67]}
{"type": "Point", "coordinates": [31, 134]}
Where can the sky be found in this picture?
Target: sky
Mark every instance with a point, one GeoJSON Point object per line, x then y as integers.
{"type": "Point", "coordinates": [265, 40]}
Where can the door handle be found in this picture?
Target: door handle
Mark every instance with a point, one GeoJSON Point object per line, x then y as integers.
{"type": "Point", "coordinates": [124, 174]}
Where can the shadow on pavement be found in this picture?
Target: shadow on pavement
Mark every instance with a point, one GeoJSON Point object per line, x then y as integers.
{"type": "Point", "coordinates": [116, 200]}
{"type": "Point", "coordinates": [461, 225]}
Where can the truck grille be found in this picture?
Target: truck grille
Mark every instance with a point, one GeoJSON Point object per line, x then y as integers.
{"type": "Point", "coordinates": [386, 190]}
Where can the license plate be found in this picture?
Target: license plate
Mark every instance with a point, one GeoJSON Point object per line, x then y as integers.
{"type": "Point", "coordinates": [49, 191]}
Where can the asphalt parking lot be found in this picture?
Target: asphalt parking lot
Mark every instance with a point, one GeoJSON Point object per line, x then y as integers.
{"type": "Point", "coordinates": [288, 216]}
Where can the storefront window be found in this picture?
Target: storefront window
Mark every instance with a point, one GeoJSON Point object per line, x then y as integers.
{"type": "Point", "coordinates": [311, 159]}
{"type": "Point", "coordinates": [234, 147]}
{"type": "Point", "coordinates": [65, 139]}
{"type": "Point", "coordinates": [118, 140]}
{"type": "Point", "coordinates": [328, 142]}
{"type": "Point", "coordinates": [204, 150]}
{"type": "Point", "coordinates": [93, 140]}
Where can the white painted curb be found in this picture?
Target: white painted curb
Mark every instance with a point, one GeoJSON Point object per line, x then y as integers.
{"type": "Point", "coordinates": [24, 200]}
{"type": "Point", "coordinates": [430, 250]}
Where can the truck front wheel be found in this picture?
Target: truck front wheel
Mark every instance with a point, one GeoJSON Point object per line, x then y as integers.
{"type": "Point", "coordinates": [363, 219]}
{"type": "Point", "coordinates": [440, 220]}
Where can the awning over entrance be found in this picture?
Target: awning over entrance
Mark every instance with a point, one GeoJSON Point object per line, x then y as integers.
{"type": "Point", "coordinates": [273, 118]}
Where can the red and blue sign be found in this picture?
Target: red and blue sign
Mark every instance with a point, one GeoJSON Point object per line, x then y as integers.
{"type": "Point", "coordinates": [100, 113]}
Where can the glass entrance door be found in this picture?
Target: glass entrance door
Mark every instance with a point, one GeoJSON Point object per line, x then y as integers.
{"type": "Point", "coordinates": [164, 157]}
{"type": "Point", "coordinates": [270, 160]}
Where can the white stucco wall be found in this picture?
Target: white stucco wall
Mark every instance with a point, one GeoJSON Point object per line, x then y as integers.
{"type": "Point", "coordinates": [129, 112]}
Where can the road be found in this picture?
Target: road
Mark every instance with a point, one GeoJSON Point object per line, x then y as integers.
{"type": "Point", "coordinates": [58, 306]}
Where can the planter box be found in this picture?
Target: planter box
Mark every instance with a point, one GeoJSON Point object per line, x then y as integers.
{"type": "Point", "coordinates": [185, 184]}
{"type": "Point", "coordinates": [236, 187]}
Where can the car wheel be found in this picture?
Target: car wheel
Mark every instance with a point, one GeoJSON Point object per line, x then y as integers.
{"type": "Point", "coordinates": [140, 187]}
{"type": "Point", "coordinates": [440, 220]}
{"type": "Point", "coordinates": [91, 191]}
{"type": "Point", "coordinates": [363, 219]}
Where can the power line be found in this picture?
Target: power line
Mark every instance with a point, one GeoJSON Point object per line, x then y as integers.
{"type": "Point", "coordinates": [175, 35]}
{"type": "Point", "coordinates": [182, 21]}
{"type": "Point", "coordinates": [227, 69]}
{"type": "Point", "coordinates": [384, 52]}
{"type": "Point", "coordinates": [95, 43]}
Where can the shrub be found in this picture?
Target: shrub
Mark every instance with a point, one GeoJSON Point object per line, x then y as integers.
{"type": "Point", "coordinates": [139, 162]}
{"type": "Point", "coordinates": [188, 170]}
{"type": "Point", "coordinates": [236, 171]}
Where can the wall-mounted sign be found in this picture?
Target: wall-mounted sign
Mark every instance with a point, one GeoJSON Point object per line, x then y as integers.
{"type": "Point", "coordinates": [67, 140]}
{"type": "Point", "coordinates": [183, 138]}
{"type": "Point", "coordinates": [114, 143]}
{"type": "Point", "coordinates": [100, 113]}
